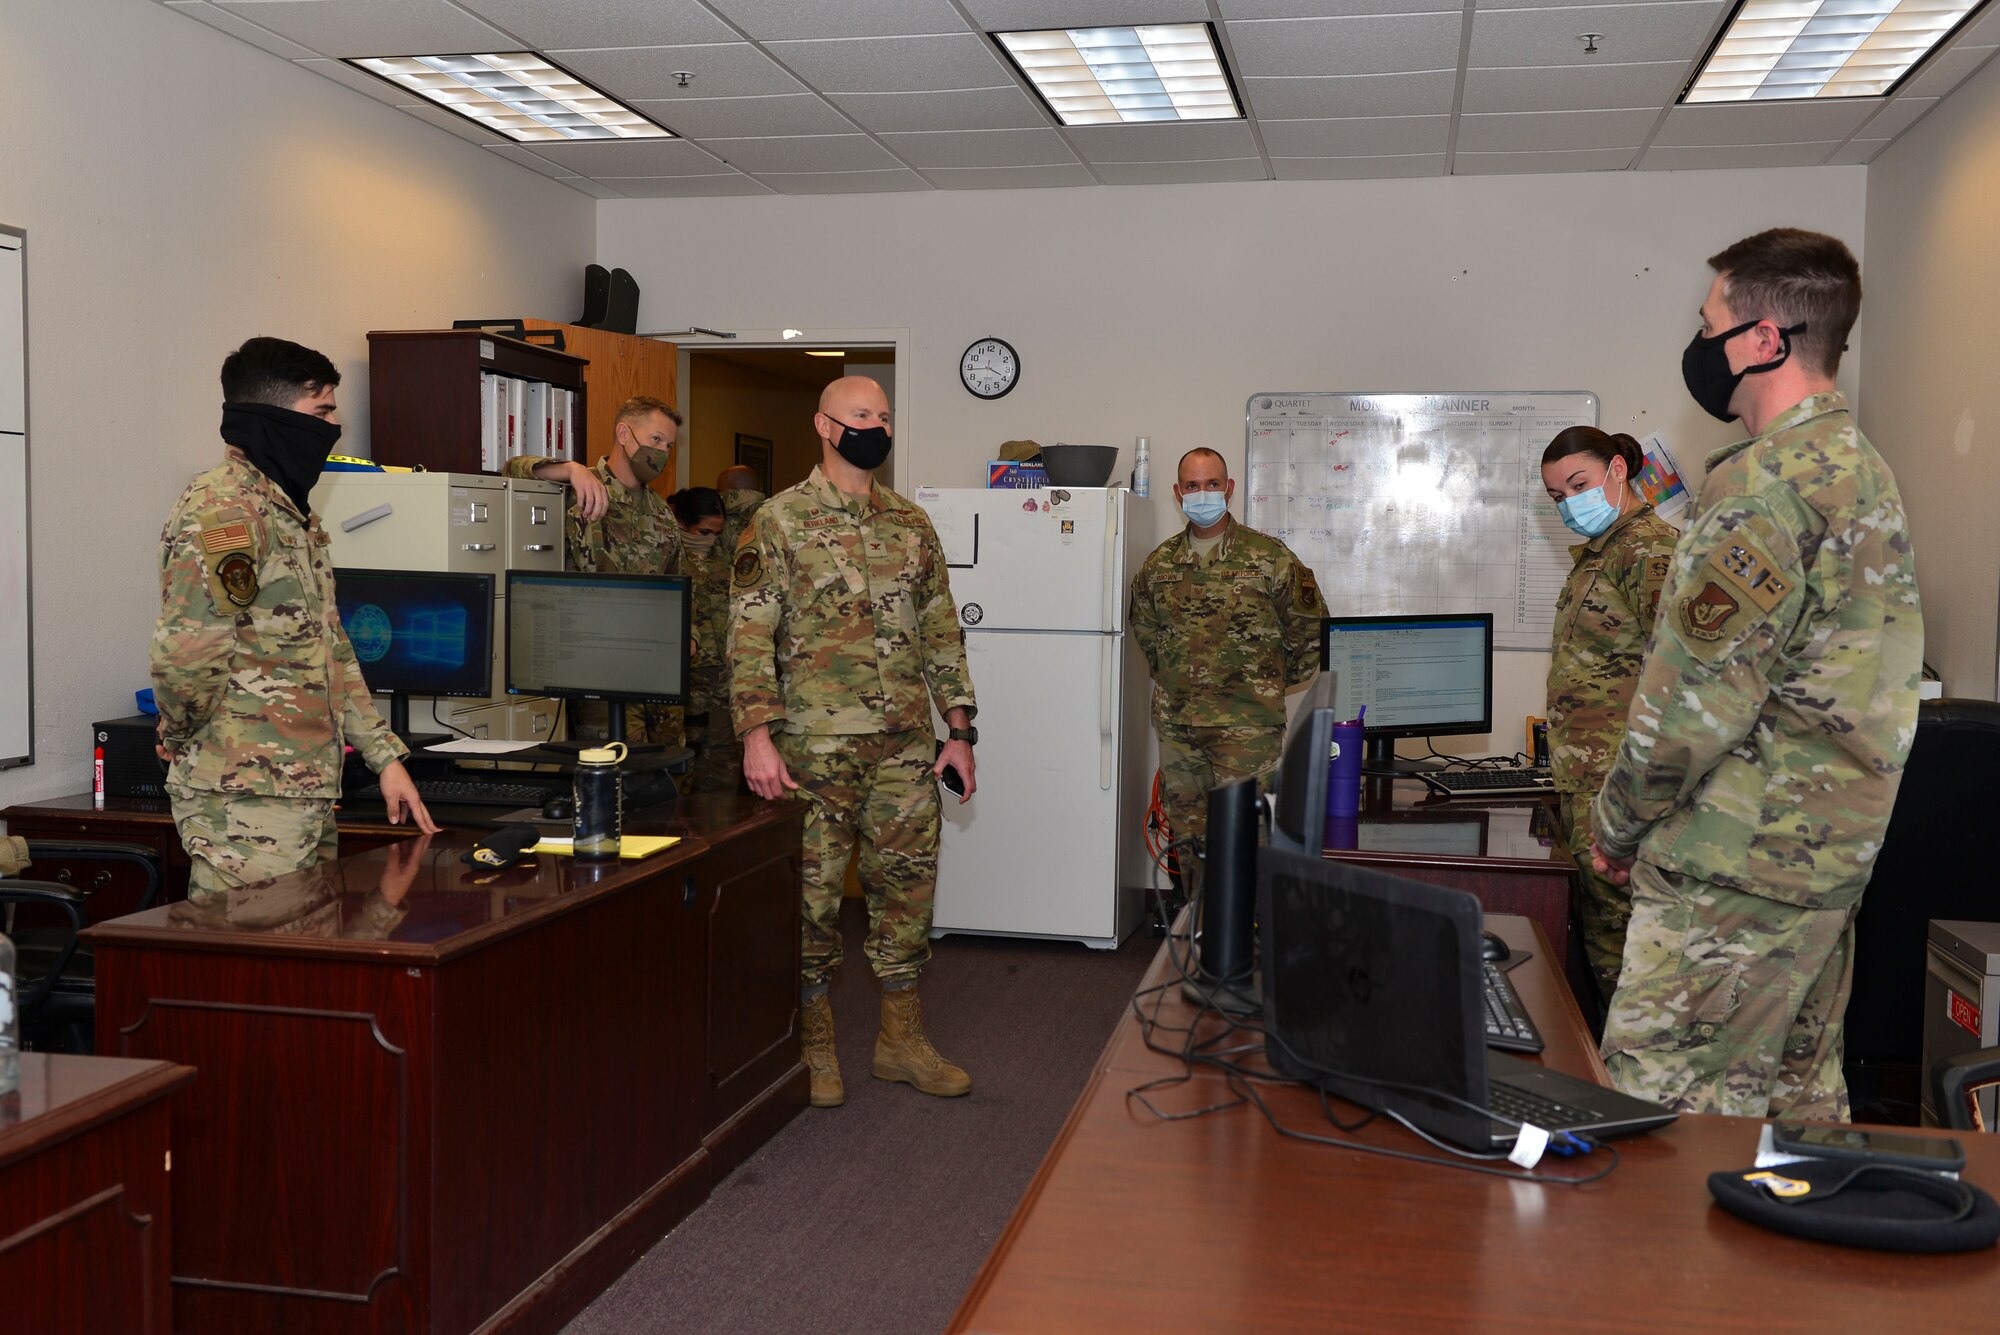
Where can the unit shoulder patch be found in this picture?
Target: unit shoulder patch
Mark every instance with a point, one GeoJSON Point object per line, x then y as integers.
{"type": "Point", "coordinates": [1706, 615]}
{"type": "Point", "coordinates": [748, 572]}
{"type": "Point", "coordinates": [236, 573]}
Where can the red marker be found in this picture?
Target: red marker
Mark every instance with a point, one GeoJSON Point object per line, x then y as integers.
{"type": "Point", "coordinates": [97, 790]}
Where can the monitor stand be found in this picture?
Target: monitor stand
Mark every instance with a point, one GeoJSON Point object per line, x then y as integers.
{"type": "Point", "coordinates": [399, 723]}
{"type": "Point", "coordinates": [616, 710]}
{"type": "Point", "coordinates": [1378, 756]}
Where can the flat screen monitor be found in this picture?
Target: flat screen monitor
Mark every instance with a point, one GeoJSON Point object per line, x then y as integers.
{"type": "Point", "coordinates": [1418, 676]}
{"type": "Point", "coordinates": [419, 632]}
{"type": "Point", "coordinates": [1299, 816]}
{"type": "Point", "coordinates": [598, 637]}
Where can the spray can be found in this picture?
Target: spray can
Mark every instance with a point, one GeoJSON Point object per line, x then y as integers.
{"type": "Point", "coordinates": [1142, 466]}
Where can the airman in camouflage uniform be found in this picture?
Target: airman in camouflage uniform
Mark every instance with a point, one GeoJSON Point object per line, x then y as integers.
{"type": "Point", "coordinates": [1772, 720]}
{"type": "Point", "coordinates": [843, 635]}
{"type": "Point", "coordinates": [617, 524]}
{"type": "Point", "coordinates": [1604, 616]}
{"type": "Point", "coordinates": [1226, 631]}
{"type": "Point", "coordinates": [718, 762]}
{"type": "Point", "coordinates": [258, 688]}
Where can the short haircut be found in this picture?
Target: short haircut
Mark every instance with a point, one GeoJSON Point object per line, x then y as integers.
{"type": "Point", "coordinates": [694, 503]}
{"type": "Point", "coordinates": [1196, 453]}
{"type": "Point", "coordinates": [1789, 276]}
{"type": "Point", "coordinates": [1599, 445]}
{"type": "Point", "coordinates": [641, 406]}
{"type": "Point", "coordinates": [274, 371]}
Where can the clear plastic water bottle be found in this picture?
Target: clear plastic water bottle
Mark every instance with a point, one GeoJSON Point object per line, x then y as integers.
{"type": "Point", "coordinates": [1142, 467]}
{"type": "Point", "coordinates": [600, 800]}
{"type": "Point", "coordinates": [10, 1022]}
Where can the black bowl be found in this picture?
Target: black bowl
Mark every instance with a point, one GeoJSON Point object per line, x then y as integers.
{"type": "Point", "coordinates": [1079, 465]}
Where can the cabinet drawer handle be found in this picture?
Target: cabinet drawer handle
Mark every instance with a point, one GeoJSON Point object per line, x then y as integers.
{"type": "Point", "coordinates": [479, 546]}
{"type": "Point", "coordinates": [479, 513]}
{"type": "Point", "coordinates": [538, 547]}
{"type": "Point", "coordinates": [538, 514]}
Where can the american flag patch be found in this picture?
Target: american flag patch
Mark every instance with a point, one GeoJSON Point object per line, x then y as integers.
{"type": "Point", "coordinates": [225, 537]}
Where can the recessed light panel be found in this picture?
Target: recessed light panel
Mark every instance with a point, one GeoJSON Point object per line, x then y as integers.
{"type": "Point", "coordinates": [1110, 76]}
{"type": "Point", "coordinates": [517, 93]}
{"type": "Point", "coordinates": [1783, 49]}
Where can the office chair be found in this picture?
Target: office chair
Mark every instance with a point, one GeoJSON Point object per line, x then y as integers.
{"type": "Point", "coordinates": [1957, 1084]}
{"type": "Point", "coordinates": [1936, 862]}
{"type": "Point", "coordinates": [83, 882]}
{"type": "Point", "coordinates": [52, 1019]}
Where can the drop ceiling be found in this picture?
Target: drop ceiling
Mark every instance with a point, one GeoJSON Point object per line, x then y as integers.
{"type": "Point", "coordinates": [858, 96]}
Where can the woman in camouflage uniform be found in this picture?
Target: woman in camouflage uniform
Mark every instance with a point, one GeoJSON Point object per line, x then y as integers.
{"type": "Point", "coordinates": [1604, 619]}
{"type": "Point", "coordinates": [718, 762]}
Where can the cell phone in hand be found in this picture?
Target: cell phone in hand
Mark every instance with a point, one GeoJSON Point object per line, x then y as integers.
{"type": "Point", "coordinates": [1938, 1154]}
{"type": "Point", "coordinates": [952, 781]}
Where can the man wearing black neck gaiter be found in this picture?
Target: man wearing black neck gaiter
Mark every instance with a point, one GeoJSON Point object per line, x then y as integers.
{"type": "Point", "coordinates": [258, 688]}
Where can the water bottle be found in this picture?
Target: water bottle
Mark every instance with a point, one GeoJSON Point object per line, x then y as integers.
{"type": "Point", "coordinates": [600, 800]}
{"type": "Point", "coordinates": [10, 1022]}
{"type": "Point", "coordinates": [1142, 468]}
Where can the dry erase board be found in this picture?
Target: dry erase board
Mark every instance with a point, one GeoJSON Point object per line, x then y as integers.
{"type": "Point", "coordinates": [17, 712]}
{"type": "Point", "coordinates": [1418, 502]}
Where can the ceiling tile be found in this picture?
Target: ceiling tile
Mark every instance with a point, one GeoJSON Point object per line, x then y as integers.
{"type": "Point", "coordinates": [1765, 123]}
{"type": "Point", "coordinates": [967, 109]}
{"type": "Point", "coordinates": [1678, 157]}
{"type": "Point", "coordinates": [768, 20]}
{"type": "Point", "coordinates": [372, 27]}
{"type": "Point", "coordinates": [685, 187]}
{"type": "Point", "coordinates": [1366, 45]}
{"type": "Point", "coordinates": [980, 148]}
{"type": "Point", "coordinates": [1857, 152]}
{"type": "Point", "coordinates": [1163, 142]}
{"type": "Point", "coordinates": [1169, 173]}
{"type": "Point", "coordinates": [1897, 117]}
{"type": "Point", "coordinates": [734, 69]}
{"type": "Point", "coordinates": [1009, 178]}
{"type": "Point", "coordinates": [1982, 31]}
{"type": "Point", "coordinates": [595, 189]}
{"type": "Point", "coordinates": [653, 157]}
{"type": "Point", "coordinates": [546, 24]}
{"type": "Point", "coordinates": [1533, 164]}
{"type": "Point", "coordinates": [803, 153]}
{"type": "Point", "coordinates": [1236, 11]}
{"type": "Point", "coordinates": [1574, 87]}
{"type": "Point", "coordinates": [514, 153]}
{"type": "Point", "coordinates": [1304, 97]}
{"type": "Point", "coordinates": [845, 183]}
{"type": "Point", "coordinates": [1633, 34]}
{"type": "Point", "coordinates": [1354, 137]}
{"type": "Point", "coordinates": [240, 28]}
{"type": "Point", "coordinates": [743, 117]}
{"type": "Point", "coordinates": [1566, 4]}
{"type": "Point", "coordinates": [1541, 131]}
{"type": "Point", "coordinates": [1947, 70]}
{"type": "Point", "coordinates": [1009, 15]}
{"type": "Point", "coordinates": [341, 72]}
{"type": "Point", "coordinates": [896, 64]}
{"type": "Point", "coordinates": [1353, 169]}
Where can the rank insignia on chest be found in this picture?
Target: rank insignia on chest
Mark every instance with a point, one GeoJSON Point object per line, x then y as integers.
{"type": "Point", "coordinates": [749, 568]}
{"type": "Point", "coordinates": [1706, 615]}
{"type": "Point", "coordinates": [237, 574]}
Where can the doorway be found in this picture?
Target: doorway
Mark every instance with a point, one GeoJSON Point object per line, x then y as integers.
{"type": "Point", "coordinates": [755, 406]}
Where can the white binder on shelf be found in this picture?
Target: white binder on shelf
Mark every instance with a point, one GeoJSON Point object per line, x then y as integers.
{"type": "Point", "coordinates": [560, 400]}
{"type": "Point", "coordinates": [536, 436]}
{"type": "Point", "coordinates": [517, 423]}
{"type": "Point", "coordinates": [492, 409]}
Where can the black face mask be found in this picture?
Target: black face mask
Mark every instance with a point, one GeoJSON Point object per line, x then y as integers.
{"type": "Point", "coordinates": [287, 447]}
{"type": "Point", "coordinates": [863, 446]}
{"type": "Point", "coordinates": [1705, 368]}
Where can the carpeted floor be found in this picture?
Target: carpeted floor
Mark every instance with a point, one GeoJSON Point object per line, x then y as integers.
{"type": "Point", "coordinates": [875, 1216]}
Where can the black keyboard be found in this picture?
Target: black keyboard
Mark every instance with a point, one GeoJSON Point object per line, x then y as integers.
{"type": "Point", "coordinates": [1519, 1105]}
{"type": "Point", "coordinates": [1508, 782]}
{"type": "Point", "coordinates": [471, 793]}
{"type": "Point", "coordinates": [1507, 1024]}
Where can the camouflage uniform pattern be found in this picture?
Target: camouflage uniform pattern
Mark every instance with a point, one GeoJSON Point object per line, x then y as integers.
{"type": "Point", "coordinates": [718, 761]}
{"type": "Point", "coordinates": [258, 688]}
{"type": "Point", "coordinates": [1603, 618]}
{"type": "Point", "coordinates": [310, 903]}
{"type": "Point", "coordinates": [1762, 754]}
{"type": "Point", "coordinates": [843, 635]}
{"type": "Point", "coordinates": [738, 504]}
{"type": "Point", "coordinates": [1194, 760]}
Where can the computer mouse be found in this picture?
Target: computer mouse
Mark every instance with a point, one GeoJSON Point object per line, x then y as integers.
{"type": "Point", "coordinates": [561, 806]}
{"type": "Point", "coordinates": [1492, 947]}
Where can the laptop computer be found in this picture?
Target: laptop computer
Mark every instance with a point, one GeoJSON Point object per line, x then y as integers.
{"type": "Point", "coordinates": [1373, 992]}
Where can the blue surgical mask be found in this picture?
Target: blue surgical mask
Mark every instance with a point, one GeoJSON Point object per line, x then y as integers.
{"type": "Point", "coordinates": [1587, 513]}
{"type": "Point", "coordinates": [1204, 508]}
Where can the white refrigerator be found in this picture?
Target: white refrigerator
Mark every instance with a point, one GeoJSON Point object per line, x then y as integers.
{"type": "Point", "coordinates": [1053, 842]}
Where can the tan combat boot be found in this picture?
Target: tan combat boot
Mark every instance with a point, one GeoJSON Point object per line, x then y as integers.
{"type": "Point", "coordinates": [816, 1048]}
{"type": "Point", "coordinates": [902, 1052]}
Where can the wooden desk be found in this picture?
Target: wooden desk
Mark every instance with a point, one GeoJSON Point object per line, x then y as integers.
{"type": "Point", "coordinates": [1136, 1224]}
{"type": "Point", "coordinates": [435, 1099]}
{"type": "Point", "coordinates": [84, 1161]}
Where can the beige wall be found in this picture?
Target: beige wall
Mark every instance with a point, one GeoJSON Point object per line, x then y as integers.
{"type": "Point", "coordinates": [1931, 387]}
{"type": "Point", "coordinates": [728, 397]}
{"type": "Point", "coordinates": [183, 191]}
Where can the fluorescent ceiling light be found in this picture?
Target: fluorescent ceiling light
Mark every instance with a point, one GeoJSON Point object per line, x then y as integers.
{"type": "Point", "coordinates": [811, 352]}
{"type": "Point", "coordinates": [1112, 76]}
{"type": "Point", "coordinates": [1777, 50]}
{"type": "Point", "coordinates": [517, 93]}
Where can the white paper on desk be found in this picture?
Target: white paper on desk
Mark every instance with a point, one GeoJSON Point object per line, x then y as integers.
{"type": "Point", "coordinates": [479, 746]}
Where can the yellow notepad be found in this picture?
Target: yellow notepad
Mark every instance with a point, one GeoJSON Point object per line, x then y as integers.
{"type": "Point", "coordinates": [629, 846]}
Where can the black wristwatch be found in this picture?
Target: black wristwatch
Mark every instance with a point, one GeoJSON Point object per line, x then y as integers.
{"type": "Point", "coordinates": [968, 734]}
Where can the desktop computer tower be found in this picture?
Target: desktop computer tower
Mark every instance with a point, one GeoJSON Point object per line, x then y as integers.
{"type": "Point", "coordinates": [1961, 1001]}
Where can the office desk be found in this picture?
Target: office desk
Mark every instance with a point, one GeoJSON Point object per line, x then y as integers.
{"type": "Point", "coordinates": [84, 1163]}
{"type": "Point", "coordinates": [439, 1099]}
{"type": "Point", "coordinates": [1134, 1224]}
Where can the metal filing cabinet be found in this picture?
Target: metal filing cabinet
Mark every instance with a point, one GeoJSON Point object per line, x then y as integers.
{"type": "Point", "coordinates": [1961, 1001]}
{"type": "Point", "coordinates": [469, 523]}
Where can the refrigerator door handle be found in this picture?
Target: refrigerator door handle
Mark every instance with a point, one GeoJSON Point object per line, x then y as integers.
{"type": "Point", "coordinates": [1105, 666]}
{"type": "Point", "coordinates": [1113, 544]}
{"type": "Point", "coordinates": [1108, 602]}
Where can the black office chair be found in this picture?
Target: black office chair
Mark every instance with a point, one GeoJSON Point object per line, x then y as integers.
{"type": "Point", "coordinates": [98, 881]}
{"type": "Point", "coordinates": [1956, 1086]}
{"type": "Point", "coordinates": [1935, 863]}
{"type": "Point", "coordinates": [53, 1018]}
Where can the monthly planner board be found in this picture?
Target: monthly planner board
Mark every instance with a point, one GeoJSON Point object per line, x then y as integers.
{"type": "Point", "coordinates": [1411, 502]}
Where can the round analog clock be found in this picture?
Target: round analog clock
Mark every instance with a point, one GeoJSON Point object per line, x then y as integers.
{"type": "Point", "coordinates": [990, 367]}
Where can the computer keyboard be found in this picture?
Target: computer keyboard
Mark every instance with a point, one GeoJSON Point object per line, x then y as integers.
{"type": "Point", "coordinates": [1508, 782]}
{"type": "Point", "coordinates": [471, 793]}
{"type": "Point", "coordinates": [1519, 1105]}
{"type": "Point", "coordinates": [1507, 1024]}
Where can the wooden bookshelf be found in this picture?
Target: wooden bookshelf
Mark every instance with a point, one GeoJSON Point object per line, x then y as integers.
{"type": "Point", "coordinates": [423, 391]}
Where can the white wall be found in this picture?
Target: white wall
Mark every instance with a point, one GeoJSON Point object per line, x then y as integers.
{"type": "Point", "coordinates": [1158, 310]}
{"type": "Point", "coordinates": [1932, 401]}
{"type": "Point", "coordinates": [182, 192]}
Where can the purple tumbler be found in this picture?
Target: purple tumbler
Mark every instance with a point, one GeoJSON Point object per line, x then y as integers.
{"type": "Point", "coordinates": [1343, 771]}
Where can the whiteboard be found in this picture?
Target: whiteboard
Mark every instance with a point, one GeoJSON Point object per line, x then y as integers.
{"type": "Point", "coordinates": [1418, 502]}
{"type": "Point", "coordinates": [16, 694]}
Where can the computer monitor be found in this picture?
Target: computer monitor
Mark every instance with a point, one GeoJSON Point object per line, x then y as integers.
{"type": "Point", "coordinates": [1299, 816]}
{"type": "Point", "coordinates": [598, 637]}
{"type": "Point", "coordinates": [418, 632]}
{"type": "Point", "coordinates": [1417, 675]}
